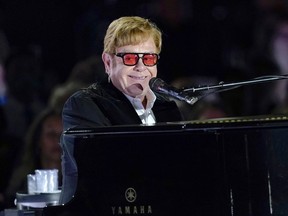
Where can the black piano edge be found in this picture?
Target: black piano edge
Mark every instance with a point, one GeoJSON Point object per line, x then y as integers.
{"type": "Point", "coordinates": [229, 123]}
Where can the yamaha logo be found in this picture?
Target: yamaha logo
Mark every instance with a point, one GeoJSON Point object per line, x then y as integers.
{"type": "Point", "coordinates": [130, 196]}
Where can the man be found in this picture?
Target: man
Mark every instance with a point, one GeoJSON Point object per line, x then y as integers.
{"type": "Point", "coordinates": [131, 53]}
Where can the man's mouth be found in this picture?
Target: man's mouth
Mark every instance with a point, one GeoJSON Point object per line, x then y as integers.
{"type": "Point", "coordinates": [138, 77]}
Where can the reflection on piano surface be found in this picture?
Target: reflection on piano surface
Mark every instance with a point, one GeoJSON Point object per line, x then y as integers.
{"type": "Point", "coordinates": [221, 167]}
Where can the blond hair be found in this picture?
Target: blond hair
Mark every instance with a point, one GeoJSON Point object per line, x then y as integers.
{"type": "Point", "coordinates": [131, 30]}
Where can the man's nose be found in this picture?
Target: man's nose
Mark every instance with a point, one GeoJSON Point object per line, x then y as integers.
{"type": "Point", "coordinates": [140, 65]}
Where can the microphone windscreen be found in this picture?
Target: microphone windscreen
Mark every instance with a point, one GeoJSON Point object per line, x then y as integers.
{"type": "Point", "coordinates": [155, 83]}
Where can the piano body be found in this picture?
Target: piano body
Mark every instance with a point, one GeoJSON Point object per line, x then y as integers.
{"type": "Point", "coordinates": [220, 167]}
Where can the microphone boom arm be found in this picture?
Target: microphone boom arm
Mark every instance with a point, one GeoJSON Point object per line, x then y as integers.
{"type": "Point", "coordinates": [236, 84]}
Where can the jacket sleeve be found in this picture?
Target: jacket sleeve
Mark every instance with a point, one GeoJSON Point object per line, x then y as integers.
{"type": "Point", "coordinates": [81, 110]}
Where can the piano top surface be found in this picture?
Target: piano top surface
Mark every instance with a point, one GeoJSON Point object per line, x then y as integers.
{"type": "Point", "coordinates": [230, 123]}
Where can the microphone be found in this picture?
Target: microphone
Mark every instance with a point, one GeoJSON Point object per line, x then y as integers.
{"type": "Point", "coordinates": [159, 86]}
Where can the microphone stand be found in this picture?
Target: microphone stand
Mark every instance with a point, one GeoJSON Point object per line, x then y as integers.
{"type": "Point", "coordinates": [223, 85]}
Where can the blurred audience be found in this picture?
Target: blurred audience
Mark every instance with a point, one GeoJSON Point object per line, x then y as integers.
{"type": "Point", "coordinates": [83, 74]}
{"type": "Point", "coordinates": [209, 106]}
{"type": "Point", "coordinates": [9, 145]}
{"type": "Point", "coordinates": [269, 57]}
{"type": "Point", "coordinates": [41, 151]}
{"type": "Point", "coordinates": [24, 91]}
{"type": "Point", "coordinates": [87, 71]}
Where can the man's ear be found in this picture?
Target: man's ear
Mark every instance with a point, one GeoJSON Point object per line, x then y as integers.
{"type": "Point", "coordinates": [107, 62]}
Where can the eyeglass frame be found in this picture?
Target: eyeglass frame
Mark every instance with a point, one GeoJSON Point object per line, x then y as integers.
{"type": "Point", "coordinates": [122, 54]}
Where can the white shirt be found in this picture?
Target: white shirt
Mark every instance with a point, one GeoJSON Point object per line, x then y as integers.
{"type": "Point", "coordinates": [146, 115]}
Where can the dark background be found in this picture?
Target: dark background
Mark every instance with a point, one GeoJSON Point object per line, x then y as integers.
{"type": "Point", "coordinates": [204, 42]}
{"type": "Point", "coordinates": [64, 32]}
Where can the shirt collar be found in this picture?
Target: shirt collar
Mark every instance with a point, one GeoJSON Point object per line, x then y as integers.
{"type": "Point", "coordinates": [136, 102]}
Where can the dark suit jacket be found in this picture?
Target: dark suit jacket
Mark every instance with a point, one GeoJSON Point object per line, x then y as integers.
{"type": "Point", "coordinates": [97, 106]}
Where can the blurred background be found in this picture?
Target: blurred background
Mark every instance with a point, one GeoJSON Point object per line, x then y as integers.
{"type": "Point", "coordinates": [61, 33]}
{"type": "Point", "coordinates": [51, 48]}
